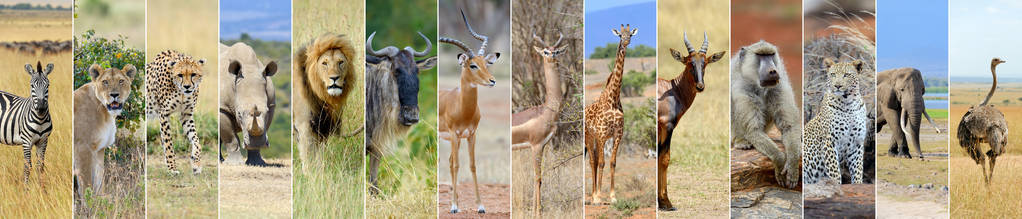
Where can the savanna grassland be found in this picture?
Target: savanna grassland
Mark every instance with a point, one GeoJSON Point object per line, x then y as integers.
{"type": "Point", "coordinates": [189, 27]}
{"type": "Point", "coordinates": [697, 178]}
{"type": "Point", "coordinates": [561, 193]}
{"type": "Point", "coordinates": [970, 196]}
{"type": "Point", "coordinates": [407, 174]}
{"type": "Point", "coordinates": [898, 174]}
{"type": "Point", "coordinates": [113, 19]}
{"type": "Point", "coordinates": [46, 195]}
{"type": "Point", "coordinates": [333, 184]}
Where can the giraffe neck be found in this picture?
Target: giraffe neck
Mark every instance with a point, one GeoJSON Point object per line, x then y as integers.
{"type": "Point", "coordinates": [612, 91]}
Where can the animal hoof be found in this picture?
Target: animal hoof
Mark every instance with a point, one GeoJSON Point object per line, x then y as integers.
{"type": "Point", "coordinates": [196, 170]}
{"type": "Point", "coordinates": [454, 211]}
{"type": "Point", "coordinates": [481, 210]}
{"type": "Point", "coordinates": [668, 209]}
{"type": "Point", "coordinates": [174, 172]}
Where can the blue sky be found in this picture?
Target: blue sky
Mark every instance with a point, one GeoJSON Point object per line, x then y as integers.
{"type": "Point", "coordinates": [981, 30]}
{"type": "Point", "coordinates": [262, 19]}
{"type": "Point", "coordinates": [602, 16]}
{"type": "Point", "coordinates": [913, 33]}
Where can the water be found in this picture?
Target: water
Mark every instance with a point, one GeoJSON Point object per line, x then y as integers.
{"type": "Point", "coordinates": [936, 104]}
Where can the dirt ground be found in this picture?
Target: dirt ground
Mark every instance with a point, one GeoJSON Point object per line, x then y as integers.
{"type": "Point", "coordinates": [496, 199]}
{"type": "Point", "coordinates": [264, 191]}
{"type": "Point", "coordinates": [636, 189]}
{"type": "Point", "coordinates": [896, 201]}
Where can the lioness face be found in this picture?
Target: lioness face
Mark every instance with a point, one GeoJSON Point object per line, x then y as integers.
{"type": "Point", "coordinates": [187, 75]}
{"type": "Point", "coordinates": [113, 86]}
{"type": "Point", "coordinates": [334, 71]}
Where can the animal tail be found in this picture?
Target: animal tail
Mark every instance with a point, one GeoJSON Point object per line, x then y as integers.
{"type": "Point", "coordinates": [355, 132]}
{"type": "Point", "coordinates": [993, 71]}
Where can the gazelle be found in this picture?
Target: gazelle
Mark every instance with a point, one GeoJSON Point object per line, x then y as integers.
{"type": "Point", "coordinates": [534, 127]}
{"type": "Point", "coordinates": [459, 107]}
{"type": "Point", "coordinates": [675, 98]}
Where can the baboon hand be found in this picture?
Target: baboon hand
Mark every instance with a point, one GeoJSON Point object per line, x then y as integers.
{"type": "Point", "coordinates": [791, 173]}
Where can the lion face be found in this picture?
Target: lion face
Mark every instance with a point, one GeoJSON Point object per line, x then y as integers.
{"type": "Point", "coordinates": [187, 75]}
{"type": "Point", "coordinates": [328, 64]}
{"type": "Point", "coordinates": [114, 86]}
{"type": "Point", "coordinates": [334, 72]}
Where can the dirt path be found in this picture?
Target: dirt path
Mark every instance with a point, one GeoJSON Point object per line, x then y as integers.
{"type": "Point", "coordinates": [636, 183]}
{"type": "Point", "coordinates": [888, 207]}
{"type": "Point", "coordinates": [496, 198]}
{"type": "Point", "coordinates": [264, 191]}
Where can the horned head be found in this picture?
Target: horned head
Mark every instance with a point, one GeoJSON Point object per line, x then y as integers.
{"type": "Point", "coordinates": [474, 67]}
{"type": "Point", "coordinates": [549, 51]}
{"type": "Point", "coordinates": [696, 61]}
{"type": "Point", "coordinates": [405, 70]}
{"type": "Point", "coordinates": [626, 33]}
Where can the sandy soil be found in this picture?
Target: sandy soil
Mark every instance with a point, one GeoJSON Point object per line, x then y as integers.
{"type": "Point", "coordinates": [909, 209]}
{"type": "Point", "coordinates": [264, 191]}
{"type": "Point", "coordinates": [496, 198]}
{"type": "Point", "coordinates": [636, 180]}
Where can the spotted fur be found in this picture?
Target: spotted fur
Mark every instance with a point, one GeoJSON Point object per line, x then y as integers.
{"type": "Point", "coordinates": [172, 86]}
{"type": "Point", "coordinates": [834, 137]}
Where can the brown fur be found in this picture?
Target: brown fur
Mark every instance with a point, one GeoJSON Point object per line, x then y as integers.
{"type": "Point", "coordinates": [94, 125]}
{"type": "Point", "coordinates": [317, 113]}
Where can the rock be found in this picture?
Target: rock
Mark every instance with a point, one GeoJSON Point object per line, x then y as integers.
{"type": "Point", "coordinates": [826, 188]}
{"type": "Point", "coordinates": [913, 186]}
{"type": "Point", "coordinates": [857, 202]}
{"type": "Point", "coordinates": [751, 169]}
{"type": "Point", "coordinates": [766, 202]}
{"type": "Point", "coordinates": [928, 186]}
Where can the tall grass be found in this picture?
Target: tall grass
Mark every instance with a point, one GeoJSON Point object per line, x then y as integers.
{"type": "Point", "coordinates": [189, 27]}
{"type": "Point", "coordinates": [333, 184]}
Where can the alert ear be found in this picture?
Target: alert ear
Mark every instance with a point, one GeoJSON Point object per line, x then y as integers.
{"type": "Point", "coordinates": [270, 69]}
{"type": "Point", "coordinates": [539, 50]}
{"type": "Point", "coordinates": [677, 55]}
{"type": "Point", "coordinates": [615, 32]}
{"type": "Point", "coordinates": [29, 69]}
{"type": "Point", "coordinates": [129, 70]}
{"type": "Point", "coordinates": [491, 58]}
{"type": "Point", "coordinates": [462, 58]}
{"type": "Point", "coordinates": [716, 57]}
{"type": "Point", "coordinates": [94, 71]}
{"type": "Point", "coordinates": [827, 62]}
{"type": "Point", "coordinates": [858, 65]}
{"type": "Point", "coordinates": [426, 64]}
{"type": "Point", "coordinates": [235, 69]}
{"type": "Point", "coordinates": [49, 68]}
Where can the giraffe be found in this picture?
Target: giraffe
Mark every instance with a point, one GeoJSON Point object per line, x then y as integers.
{"type": "Point", "coordinates": [604, 119]}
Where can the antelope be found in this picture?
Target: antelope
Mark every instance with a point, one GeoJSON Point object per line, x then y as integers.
{"type": "Point", "coordinates": [675, 98]}
{"type": "Point", "coordinates": [534, 127]}
{"type": "Point", "coordinates": [459, 109]}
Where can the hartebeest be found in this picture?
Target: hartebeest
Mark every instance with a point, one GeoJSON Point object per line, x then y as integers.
{"type": "Point", "coordinates": [675, 98]}
{"type": "Point", "coordinates": [459, 107]}
{"type": "Point", "coordinates": [534, 127]}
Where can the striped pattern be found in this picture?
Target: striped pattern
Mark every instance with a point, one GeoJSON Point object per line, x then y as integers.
{"type": "Point", "coordinates": [26, 121]}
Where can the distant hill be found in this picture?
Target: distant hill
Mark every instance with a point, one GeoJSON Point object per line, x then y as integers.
{"type": "Point", "coordinates": [987, 79]}
{"type": "Point", "coordinates": [599, 24]}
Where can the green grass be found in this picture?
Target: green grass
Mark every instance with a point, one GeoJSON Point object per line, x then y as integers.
{"type": "Point", "coordinates": [906, 172]}
{"type": "Point", "coordinates": [937, 114]}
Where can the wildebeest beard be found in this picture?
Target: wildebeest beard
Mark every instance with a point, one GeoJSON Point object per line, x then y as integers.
{"type": "Point", "coordinates": [406, 74]}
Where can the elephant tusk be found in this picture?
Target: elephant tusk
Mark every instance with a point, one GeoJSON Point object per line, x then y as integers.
{"type": "Point", "coordinates": [903, 123]}
{"type": "Point", "coordinates": [935, 127]}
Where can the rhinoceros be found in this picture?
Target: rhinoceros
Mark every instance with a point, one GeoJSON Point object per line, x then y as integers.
{"type": "Point", "coordinates": [246, 103]}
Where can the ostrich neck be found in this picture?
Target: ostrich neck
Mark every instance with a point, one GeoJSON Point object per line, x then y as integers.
{"type": "Point", "coordinates": [554, 95]}
{"type": "Point", "coordinates": [613, 89]}
{"type": "Point", "coordinates": [993, 71]}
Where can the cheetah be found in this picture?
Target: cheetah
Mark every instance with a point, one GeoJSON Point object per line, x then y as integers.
{"type": "Point", "coordinates": [835, 136]}
{"type": "Point", "coordinates": [172, 86]}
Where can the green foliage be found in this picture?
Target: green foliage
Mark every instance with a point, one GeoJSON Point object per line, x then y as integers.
{"type": "Point", "coordinates": [639, 119]}
{"type": "Point", "coordinates": [610, 51]}
{"type": "Point", "coordinates": [633, 82]}
{"type": "Point", "coordinates": [626, 206]}
{"type": "Point", "coordinates": [591, 72]}
{"type": "Point", "coordinates": [112, 53]}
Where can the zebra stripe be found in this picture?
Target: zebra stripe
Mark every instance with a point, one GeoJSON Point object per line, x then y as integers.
{"type": "Point", "coordinates": [20, 123]}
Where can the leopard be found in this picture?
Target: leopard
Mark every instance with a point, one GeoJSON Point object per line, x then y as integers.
{"type": "Point", "coordinates": [172, 86]}
{"type": "Point", "coordinates": [834, 137]}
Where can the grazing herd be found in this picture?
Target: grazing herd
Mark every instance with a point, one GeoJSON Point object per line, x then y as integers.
{"type": "Point", "coordinates": [45, 47]}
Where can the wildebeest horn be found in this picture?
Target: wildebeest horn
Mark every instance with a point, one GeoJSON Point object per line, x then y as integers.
{"type": "Point", "coordinates": [459, 44]}
{"type": "Point", "coordinates": [389, 51]}
{"type": "Point", "coordinates": [482, 47]}
{"type": "Point", "coordinates": [706, 43]}
{"type": "Point", "coordinates": [687, 44]}
{"type": "Point", "coordinates": [429, 46]}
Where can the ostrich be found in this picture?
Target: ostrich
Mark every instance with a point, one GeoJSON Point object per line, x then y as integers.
{"type": "Point", "coordinates": [984, 124]}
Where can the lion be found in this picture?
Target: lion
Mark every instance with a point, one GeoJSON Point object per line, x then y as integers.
{"type": "Point", "coordinates": [324, 80]}
{"type": "Point", "coordinates": [96, 107]}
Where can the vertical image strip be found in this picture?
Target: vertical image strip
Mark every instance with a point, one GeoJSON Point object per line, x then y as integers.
{"type": "Point", "coordinates": [35, 56]}
{"type": "Point", "coordinates": [912, 109]}
{"type": "Point", "coordinates": [255, 108]}
{"type": "Point", "coordinates": [839, 110]}
{"type": "Point", "coordinates": [986, 109]}
{"type": "Point", "coordinates": [692, 108]}
{"type": "Point", "coordinates": [401, 109]}
{"type": "Point", "coordinates": [546, 106]}
{"type": "Point", "coordinates": [328, 78]}
{"type": "Point", "coordinates": [109, 122]}
{"type": "Point", "coordinates": [475, 46]}
{"type": "Point", "coordinates": [766, 122]}
{"type": "Point", "coordinates": [620, 72]}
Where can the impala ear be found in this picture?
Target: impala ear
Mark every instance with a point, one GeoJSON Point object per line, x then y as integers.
{"type": "Point", "coordinates": [462, 58]}
{"type": "Point", "coordinates": [492, 57]}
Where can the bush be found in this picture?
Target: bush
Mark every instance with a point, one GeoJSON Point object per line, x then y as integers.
{"type": "Point", "coordinates": [633, 83]}
{"type": "Point", "coordinates": [112, 53]}
{"type": "Point", "coordinates": [610, 51]}
{"type": "Point", "coordinates": [641, 124]}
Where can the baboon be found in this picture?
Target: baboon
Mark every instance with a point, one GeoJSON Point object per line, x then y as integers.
{"type": "Point", "coordinates": [761, 98]}
{"type": "Point", "coordinates": [984, 124]}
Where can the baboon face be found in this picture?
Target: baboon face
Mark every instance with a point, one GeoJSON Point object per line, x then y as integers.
{"type": "Point", "coordinates": [695, 65]}
{"type": "Point", "coordinates": [843, 77]}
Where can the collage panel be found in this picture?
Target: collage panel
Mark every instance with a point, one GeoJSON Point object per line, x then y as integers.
{"type": "Point", "coordinates": [912, 109]}
{"type": "Point", "coordinates": [475, 54]}
{"type": "Point", "coordinates": [692, 108]}
{"type": "Point", "coordinates": [109, 71]}
{"type": "Point", "coordinates": [766, 122]}
{"type": "Point", "coordinates": [839, 110]}
{"type": "Point", "coordinates": [985, 106]}
{"type": "Point", "coordinates": [546, 119]}
{"type": "Point", "coordinates": [401, 109]}
{"type": "Point", "coordinates": [620, 72]}
{"type": "Point", "coordinates": [328, 78]}
{"type": "Point", "coordinates": [255, 108]}
{"type": "Point", "coordinates": [181, 108]}
{"type": "Point", "coordinates": [36, 59]}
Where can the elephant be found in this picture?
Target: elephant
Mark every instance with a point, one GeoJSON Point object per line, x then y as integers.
{"type": "Point", "coordinates": [900, 102]}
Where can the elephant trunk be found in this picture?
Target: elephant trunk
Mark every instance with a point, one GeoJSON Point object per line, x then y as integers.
{"type": "Point", "coordinates": [911, 116]}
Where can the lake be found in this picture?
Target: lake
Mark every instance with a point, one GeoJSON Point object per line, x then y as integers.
{"type": "Point", "coordinates": [936, 103]}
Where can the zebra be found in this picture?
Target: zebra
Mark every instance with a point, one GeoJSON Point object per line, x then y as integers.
{"type": "Point", "coordinates": [26, 121]}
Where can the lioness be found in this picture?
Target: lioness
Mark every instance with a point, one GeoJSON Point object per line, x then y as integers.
{"type": "Point", "coordinates": [96, 106]}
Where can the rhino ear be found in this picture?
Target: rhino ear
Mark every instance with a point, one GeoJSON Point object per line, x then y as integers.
{"type": "Point", "coordinates": [234, 69]}
{"type": "Point", "coordinates": [270, 69]}
{"type": "Point", "coordinates": [94, 71]}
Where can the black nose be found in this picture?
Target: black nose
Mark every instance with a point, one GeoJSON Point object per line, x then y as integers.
{"type": "Point", "coordinates": [187, 86]}
{"type": "Point", "coordinates": [114, 95]}
{"type": "Point", "coordinates": [335, 78]}
{"type": "Point", "coordinates": [773, 72]}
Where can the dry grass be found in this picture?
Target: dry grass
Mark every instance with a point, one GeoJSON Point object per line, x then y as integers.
{"type": "Point", "coordinates": [123, 192]}
{"type": "Point", "coordinates": [263, 191]}
{"type": "Point", "coordinates": [125, 18]}
{"type": "Point", "coordinates": [698, 174]}
{"type": "Point", "coordinates": [48, 195]}
{"type": "Point", "coordinates": [189, 27]}
{"type": "Point", "coordinates": [970, 197]}
{"type": "Point", "coordinates": [333, 185]}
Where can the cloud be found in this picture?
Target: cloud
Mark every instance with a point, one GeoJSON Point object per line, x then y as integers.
{"type": "Point", "coordinates": [992, 10]}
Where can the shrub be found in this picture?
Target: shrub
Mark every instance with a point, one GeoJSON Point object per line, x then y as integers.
{"type": "Point", "coordinates": [112, 53]}
{"type": "Point", "coordinates": [633, 83]}
{"type": "Point", "coordinates": [610, 51]}
{"type": "Point", "coordinates": [641, 124]}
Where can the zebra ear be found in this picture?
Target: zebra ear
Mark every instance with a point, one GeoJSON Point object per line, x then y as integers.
{"type": "Point", "coordinates": [94, 71]}
{"type": "Point", "coordinates": [28, 68]}
{"type": "Point", "coordinates": [49, 68]}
